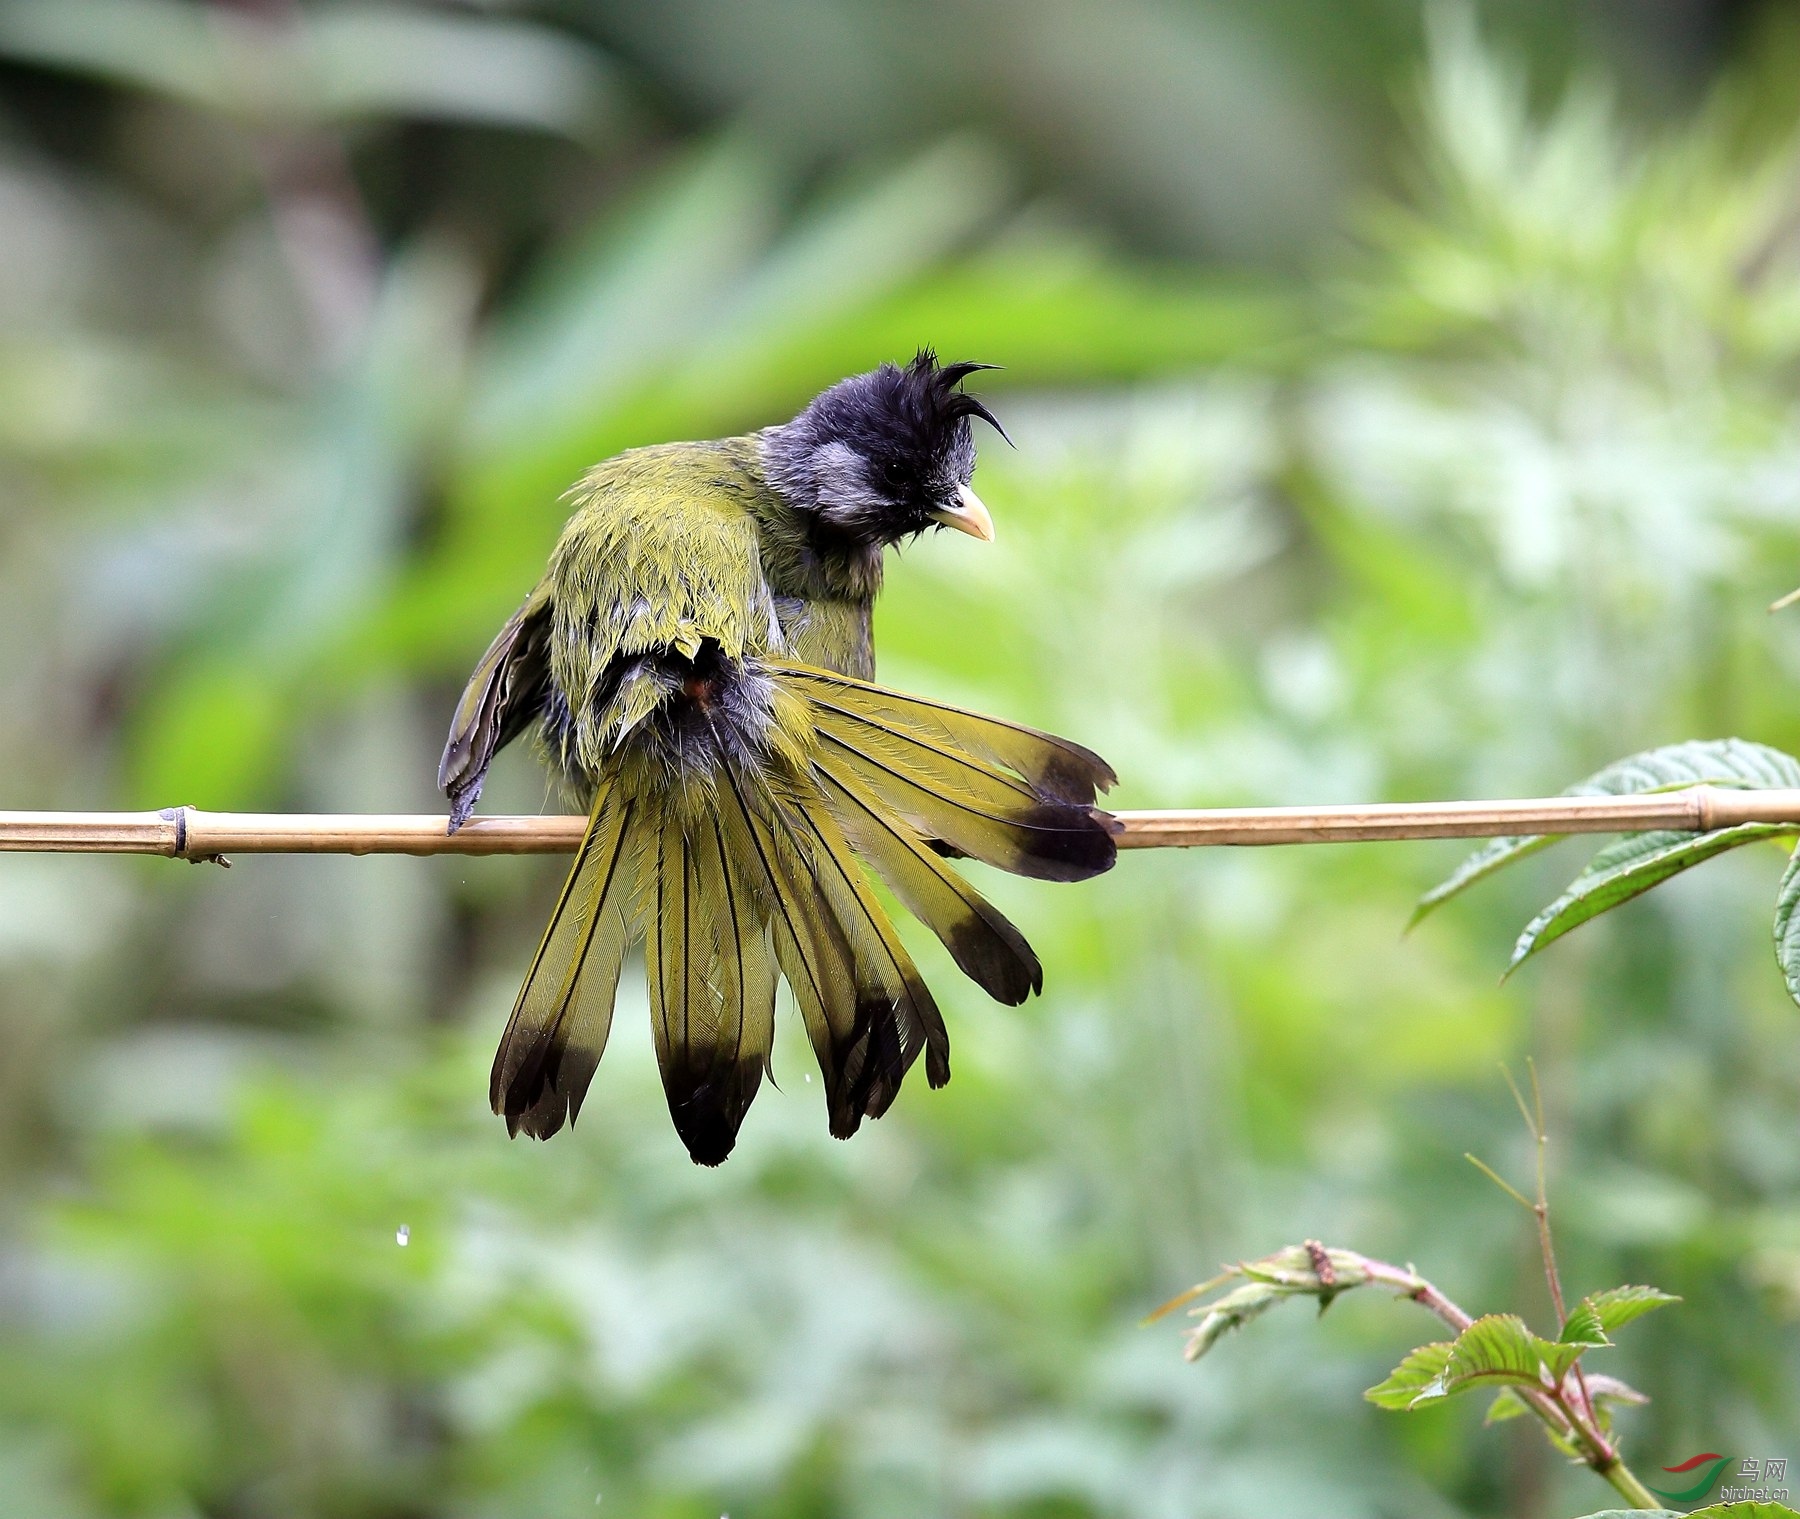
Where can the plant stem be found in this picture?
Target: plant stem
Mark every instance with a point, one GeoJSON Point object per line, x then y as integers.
{"type": "Point", "coordinates": [1626, 1485]}
{"type": "Point", "coordinates": [1583, 1413]}
{"type": "Point", "coordinates": [1554, 1414]}
{"type": "Point", "coordinates": [1567, 1413]}
{"type": "Point", "coordinates": [1408, 1283]}
{"type": "Point", "coordinates": [1566, 1410]}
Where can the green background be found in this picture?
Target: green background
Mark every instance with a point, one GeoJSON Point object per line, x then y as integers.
{"type": "Point", "coordinates": [1406, 407]}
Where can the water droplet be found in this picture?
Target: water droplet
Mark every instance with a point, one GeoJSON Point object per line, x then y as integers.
{"type": "Point", "coordinates": [809, 1078]}
{"type": "Point", "coordinates": [403, 1234]}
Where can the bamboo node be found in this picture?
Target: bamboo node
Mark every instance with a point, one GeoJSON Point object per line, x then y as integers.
{"type": "Point", "coordinates": [180, 851]}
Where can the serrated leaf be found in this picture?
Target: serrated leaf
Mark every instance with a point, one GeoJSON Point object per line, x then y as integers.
{"type": "Point", "coordinates": [1617, 1306]}
{"type": "Point", "coordinates": [1507, 1404]}
{"type": "Point", "coordinates": [1559, 1357]}
{"type": "Point", "coordinates": [1581, 1332]}
{"type": "Point", "coordinates": [1406, 1383]}
{"type": "Point", "coordinates": [1627, 868]}
{"type": "Point", "coordinates": [1734, 1511]}
{"type": "Point", "coordinates": [1584, 1326]}
{"type": "Point", "coordinates": [1787, 926]}
{"type": "Point", "coordinates": [1495, 1349]}
{"type": "Point", "coordinates": [1700, 762]}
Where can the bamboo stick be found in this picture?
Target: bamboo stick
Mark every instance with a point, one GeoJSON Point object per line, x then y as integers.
{"type": "Point", "coordinates": [187, 833]}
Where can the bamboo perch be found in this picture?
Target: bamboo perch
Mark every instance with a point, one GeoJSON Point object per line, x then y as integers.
{"type": "Point", "coordinates": [186, 833]}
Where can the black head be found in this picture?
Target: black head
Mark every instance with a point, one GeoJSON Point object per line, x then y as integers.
{"type": "Point", "coordinates": [884, 455]}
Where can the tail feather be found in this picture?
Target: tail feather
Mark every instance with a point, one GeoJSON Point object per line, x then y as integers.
{"type": "Point", "coordinates": [1010, 796]}
{"type": "Point", "coordinates": [866, 1010]}
{"type": "Point", "coordinates": [1054, 767]}
{"type": "Point", "coordinates": [563, 1013]}
{"type": "Point", "coordinates": [990, 951]}
{"type": "Point", "coordinates": [731, 998]}
{"type": "Point", "coordinates": [975, 808]}
{"type": "Point", "coordinates": [697, 1018]}
{"type": "Point", "coordinates": [809, 944]}
{"type": "Point", "coordinates": [904, 1017]}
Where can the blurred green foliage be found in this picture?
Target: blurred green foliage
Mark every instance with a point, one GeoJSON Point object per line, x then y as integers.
{"type": "Point", "coordinates": [307, 316]}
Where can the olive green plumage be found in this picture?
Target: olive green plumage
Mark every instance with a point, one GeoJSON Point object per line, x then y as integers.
{"type": "Point", "coordinates": [697, 658]}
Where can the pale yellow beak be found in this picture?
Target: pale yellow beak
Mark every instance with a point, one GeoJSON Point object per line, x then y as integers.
{"type": "Point", "coordinates": [968, 516]}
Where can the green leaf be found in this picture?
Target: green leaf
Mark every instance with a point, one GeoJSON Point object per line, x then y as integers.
{"type": "Point", "coordinates": [1737, 762]}
{"type": "Point", "coordinates": [1787, 926]}
{"type": "Point", "coordinates": [1582, 1331]}
{"type": "Point", "coordinates": [1637, 1513]}
{"type": "Point", "coordinates": [1408, 1381]}
{"type": "Point", "coordinates": [1584, 1326]}
{"type": "Point", "coordinates": [1507, 1404]}
{"type": "Point", "coordinates": [1627, 868]}
{"type": "Point", "coordinates": [1493, 856]}
{"type": "Point", "coordinates": [1719, 1511]}
{"type": "Point", "coordinates": [1495, 1349]}
{"type": "Point", "coordinates": [1712, 762]}
{"type": "Point", "coordinates": [1558, 1357]}
{"type": "Point", "coordinates": [1620, 1305]}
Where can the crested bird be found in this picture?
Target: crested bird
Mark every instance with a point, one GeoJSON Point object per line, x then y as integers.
{"type": "Point", "coordinates": [699, 663]}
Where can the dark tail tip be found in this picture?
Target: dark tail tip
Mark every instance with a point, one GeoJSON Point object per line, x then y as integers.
{"type": "Point", "coordinates": [937, 1065]}
{"type": "Point", "coordinates": [1071, 773]}
{"type": "Point", "coordinates": [708, 1106]}
{"type": "Point", "coordinates": [1069, 842]}
{"type": "Point", "coordinates": [1001, 964]}
{"type": "Point", "coordinates": [539, 1111]}
{"type": "Point", "coordinates": [708, 1145]}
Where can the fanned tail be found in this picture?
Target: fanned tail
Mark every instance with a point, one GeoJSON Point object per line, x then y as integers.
{"type": "Point", "coordinates": [731, 836]}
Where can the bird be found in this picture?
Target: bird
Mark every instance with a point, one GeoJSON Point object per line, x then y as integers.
{"type": "Point", "coordinates": [698, 661]}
